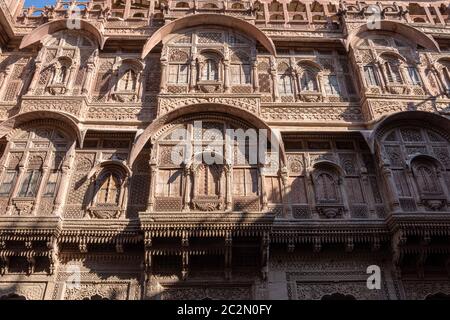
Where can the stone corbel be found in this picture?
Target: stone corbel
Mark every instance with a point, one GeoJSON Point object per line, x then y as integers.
{"type": "Point", "coordinates": [228, 255]}
{"type": "Point", "coordinates": [349, 244]}
{"type": "Point", "coordinates": [265, 248]}
{"type": "Point", "coordinates": [317, 245]}
{"type": "Point", "coordinates": [31, 261]}
{"type": "Point", "coordinates": [82, 246]}
{"type": "Point", "coordinates": [4, 265]}
{"type": "Point", "coordinates": [397, 241]}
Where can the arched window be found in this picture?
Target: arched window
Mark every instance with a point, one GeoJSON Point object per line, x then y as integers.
{"type": "Point", "coordinates": [178, 73]}
{"type": "Point", "coordinates": [308, 80]}
{"type": "Point", "coordinates": [60, 75]}
{"type": "Point", "coordinates": [413, 74]}
{"type": "Point", "coordinates": [208, 180]}
{"type": "Point", "coordinates": [285, 83]}
{"type": "Point", "coordinates": [210, 70]}
{"type": "Point", "coordinates": [326, 188]}
{"type": "Point", "coordinates": [370, 75]}
{"type": "Point", "coordinates": [31, 178]}
{"type": "Point", "coordinates": [332, 85]}
{"type": "Point", "coordinates": [128, 80]}
{"type": "Point", "coordinates": [240, 69]}
{"type": "Point", "coordinates": [430, 165]}
{"type": "Point", "coordinates": [392, 69]}
{"type": "Point", "coordinates": [109, 190]}
{"type": "Point", "coordinates": [8, 181]}
{"type": "Point", "coordinates": [426, 177]}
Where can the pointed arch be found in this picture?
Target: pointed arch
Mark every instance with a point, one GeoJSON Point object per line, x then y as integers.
{"type": "Point", "coordinates": [51, 27]}
{"type": "Point", "coordinates": [212, 19]}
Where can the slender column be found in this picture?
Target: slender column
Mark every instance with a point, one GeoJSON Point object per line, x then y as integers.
{"type": "Point", "coordinates": [37, 201]}
{"type": "Point", "coordinates": [284, 175]}
{"type": "Point", "coordinates": [15, 189]}
{"type": "Point", "coordinates": [310, 194]}
{"type": "Point", "coordinates": [193, 76]}
{"type": "Point", "coordinates": [438, 14]}
{"type": "Point", "coordinates": [6, 73]}
{"type": "Point", "coordinates": [228, 180]}
{"type": "Point", "coordinates": [391, 193]}
{"type": "Point", "coordinates": [424, 80]}
{"type": "Point", "coordinates": [65, 181]}
{"type": "Point", "coordinates": [185, 255]}
{"type": "Point", "coordinates": [263, 190]}
{"type": "Point", "coordinates": [276, 94]}
{"type": "Point", "coordinates": [187, 189]}
{"type": "Point", "coordinates": [127, 11]}
{"type": "Point", "coordinates": [429, 16]}
{"type": "Point", "coordinates": [88, 81]}
{"type": "Point", "coordinates": [368, 195]}
{"type": "Point", "coordinates": [414, 189]}
{"type": "Point", "coordinates": [226, 76]}
{"type": "Point", "coordinates": [163, 84]}
{"type": "Point", "coordinates": [36, 76]}
{"type": "Point", "coordinates": [255, 76]}
{"type": "Point", "coordinates": [152, 184]}
{"type": "Point", "coordinates": [228, 255]}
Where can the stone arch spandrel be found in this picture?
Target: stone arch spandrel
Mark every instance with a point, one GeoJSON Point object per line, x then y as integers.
{"type": "Point", "coordinates": [428, 119]}
{"type": "Point", "coordinates": [67, 123]}
{"type": "Point", "coordinates": [407, 31]}
{"type": "Point", "coordinates": [227, 110]}
{"type": "Point", "coordinates": [209, 19]}
{"type": "Point", "coordinates": [39, 33]}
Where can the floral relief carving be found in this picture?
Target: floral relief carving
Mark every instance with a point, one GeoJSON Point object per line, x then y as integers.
{"type": "Point", "coordinates": [110, 291]}
{"type": "Point", "coordinates": [167, 104]}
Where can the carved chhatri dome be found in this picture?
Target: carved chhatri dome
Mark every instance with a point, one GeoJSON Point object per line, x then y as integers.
{"type": "Point", "coordinates": [270, 149]}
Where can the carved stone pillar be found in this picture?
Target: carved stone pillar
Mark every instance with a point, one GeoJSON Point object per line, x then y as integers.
{"type": "Point", "coordinates": [311, 194]}
{"type": "Point", "coordinates": [295, 84]}
{"type": "Point", "coordinates": [383, 76]}
{"type": "Point", "coordinates": [391, 193]}
{"type": "Point", "coordinates": [415, 190]}
{"type": "Point", "coordinates": [263, 190]}
{"type": "Point", "coordinates": [276, 94]}
{"type": "Point", "coordinates": [185, 255]}
{"type": "Point", "coordinates": [187, 189]}
{"type": "Point", "coordinates": [255, 76]}
{"type": "Point", "coordinates": [193, 76]}
{"type": "Point", "coordinates": [228, 255]}
{"type": "Point", "coordinates": [88, 81]}
{"type": "Point", "coordinates": [424, 79]}
{"type": "Point", "coordinates": [345, 201]}
{"type": "Point", "coordinates": [228, 196]}
{"type": "Point", "coordinates": [6, 74]}
{"type": "Point", "coordinates": [44, 178]}
{"type": "Point", "coordinates": [226, 76]}
{"type": "Point", "coordinates": [284, 175]}
{"type": "Point", "coordinates": [64, 183]}
{"type": "Point", "coordinates": [36, 76]}
{"type": "Point", "coordinates": [152, 185]}
{"type": "Point", "coordinates": [16, 187]}
{"type": "Point", "coordinates": [163, 84]}
{"type": "Point", "coordinates": [265, 249]}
